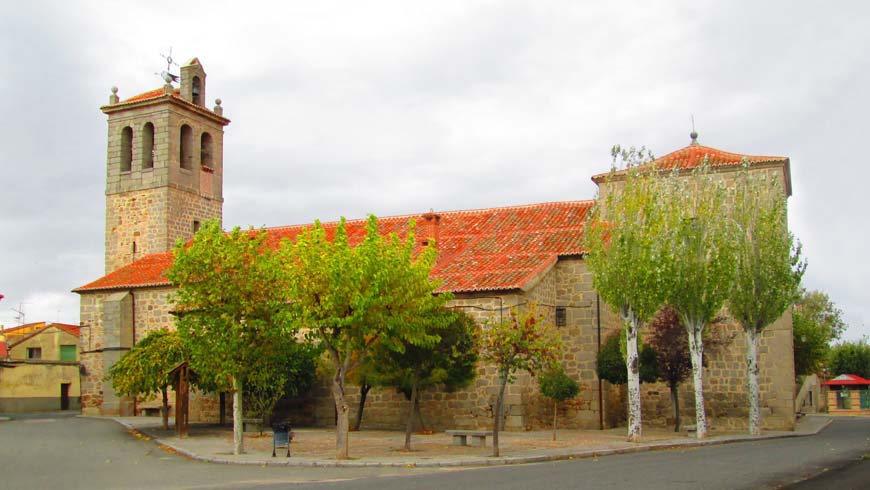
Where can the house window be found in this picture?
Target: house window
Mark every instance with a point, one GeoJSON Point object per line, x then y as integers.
{"type": "Point", "coordinates": [67, 353]}
{"type": "Point", "coordinates": [34, 352]}
{"type": "Point", "coordinates": [561, 316]}
{"type": "Point", "coordinates": [185, 150]}
{"type": "Point", "coordinates": [205, 150]}
{"type": "Point", "coordinates": [126, 149]}
{"type": "Point", "coordinates": [148, 146]}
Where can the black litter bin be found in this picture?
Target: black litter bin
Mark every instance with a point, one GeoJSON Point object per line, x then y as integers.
{"type": "Point", "coordinates": [281, 436]}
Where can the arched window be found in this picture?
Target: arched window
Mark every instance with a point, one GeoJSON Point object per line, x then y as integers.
{"type": "Point", "coordinates": [148, 146]}
{"type": "Point", "coordinates": [185, 149]}
{"type": "Point", "coordinates": [205, 150]}
{"type": "Point", "coordinates": [126, 149]}
{"type": "Point", "coordinates": [196, 91]}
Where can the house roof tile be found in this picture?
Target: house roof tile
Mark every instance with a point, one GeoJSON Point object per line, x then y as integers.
{"type": "Point", "coordinates": [479, 250]}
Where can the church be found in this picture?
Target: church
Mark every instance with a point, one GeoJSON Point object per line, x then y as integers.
{"type": "Point", "coordinates": [164, 176]}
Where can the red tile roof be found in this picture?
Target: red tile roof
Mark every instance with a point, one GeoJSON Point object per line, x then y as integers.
{"type": "Point", "coordinates": [479, 250]}
{"type": "Point", "coordinates": [693, 155]}
{"type": "Point", "coordinates": [19, 334]}
{"type": "Point", "coordinates": [151, 94]}
{"type": "Point", "coordinates": [847, 379]}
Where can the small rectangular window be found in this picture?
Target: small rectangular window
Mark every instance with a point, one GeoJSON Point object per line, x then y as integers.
{"type": "Point", "coordinates": [195, 226]}
{"type": "Point", "coordinates": [34, 352]}
{"type": "Point", "coordinates": [561, 316]}
{"type": "Point", "coordinates": [68, 353]}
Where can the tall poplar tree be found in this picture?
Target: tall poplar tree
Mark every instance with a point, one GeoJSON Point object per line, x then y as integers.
{"type": "Point", "coordinates": [624, 244]}
{"type": "Point", "coordinates": [352, 299]}
{"type": "Point", "coordinates": [768, 268]}
{"type": "Point", "coordinates": [698, 260]}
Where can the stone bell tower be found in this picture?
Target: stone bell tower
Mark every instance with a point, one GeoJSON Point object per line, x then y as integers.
{"type": "Point", "coordinates": [164, 172]}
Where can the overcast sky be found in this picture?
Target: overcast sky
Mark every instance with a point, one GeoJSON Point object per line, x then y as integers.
{"type": "Point", "coordinates": [349, 108]}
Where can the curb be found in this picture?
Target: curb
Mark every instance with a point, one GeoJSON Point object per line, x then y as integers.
{"type": "Point", "coordinates": [501, 461]}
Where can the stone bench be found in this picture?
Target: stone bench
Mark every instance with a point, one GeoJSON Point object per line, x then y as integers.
{"type": "Point", "coordinates": [460, 437]}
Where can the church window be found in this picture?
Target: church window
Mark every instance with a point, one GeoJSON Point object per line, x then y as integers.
{"type": "Point", "coordinates": [195, 226]}
{"type": "Point", "coordinates": [148, 146]}
{"type": "Point", "coordinates": [561, 316]}
{"type": "Point", "coordinates": [126, 149]}
{"type": "Point", "coordinates": [205, 150]}
{"type": "Point", "coordinates": [196, 91]}
{"type": "Point", "coordinates": [185, 152]}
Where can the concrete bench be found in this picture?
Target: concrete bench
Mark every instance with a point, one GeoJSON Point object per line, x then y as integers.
{"type": "Point", "coordinates": [460, 437]}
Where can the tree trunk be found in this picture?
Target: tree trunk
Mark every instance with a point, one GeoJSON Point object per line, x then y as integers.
{"type": "Point", "coordinates": [238, 430]}
{"type": "Point", "coordinates": [409, 425]}
{"type": "Point", "coordinates": [675, 401]}
{"type": "Point", "coordinates": [164, 410]}
{"type": "Point", "coordinates": [341, 416]}
{"type": "Point", "coordinates": [752, 372]}
{"type": "Point", "coordinates": [363, 393]}
{"type": "Point", "coordinates": [696, 348]}
{"type": "Point", "coordinates": [497, 413]}
{"type": "Point", "coordinates": [633, 385]}
{"type": "Point", "coordinates": [555, 413]}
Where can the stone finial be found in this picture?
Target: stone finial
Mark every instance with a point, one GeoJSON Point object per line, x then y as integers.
{"type": "Point", "coordinates": [694, 136]}
{"type": "Point", "coordinates": [217, 107]}
{"type": "Point", "coordinates": [168, 89]}
{"type": "Point", "coordinates": [113, 99]}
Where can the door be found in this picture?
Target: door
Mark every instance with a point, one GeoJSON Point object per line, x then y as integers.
{"type": "Point", "coordinates": [64, 396]}
{"type": "Point", "coordinates": [865, 398]}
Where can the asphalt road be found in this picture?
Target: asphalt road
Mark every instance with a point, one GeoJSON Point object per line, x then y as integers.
{"type": "Point", "coordinates": [54, 451]}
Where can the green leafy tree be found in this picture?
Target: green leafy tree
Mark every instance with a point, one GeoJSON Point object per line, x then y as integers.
{"type": "Point", "coordinates": [768, 268]}
{"type": "Point", "coordinates": [850, 358]}
{"type": "Point", "coordinates": [290, 372]}
{"type": "Point", "coordinates": [525, 340]}
{"type": "Point", "coordinates": [449, 363]}
{"type": "Point", "coordinates": [351, 300]}
{"type": "Point", "coordinates": [611, 366]}
{"type": "Point", "coordinates": [817, 324]}
{"type": "Point", "coordinates": [557, 385]}
{"type": "Point", "coordinates": [624, 243]}
{"type": "Point", "coordinates": [232, 306]}
{"type": "Point", "coordinates": [144, 371]}
{"type": "Point", "coordinates": [669, 342]}
{"type": "Point", "coordinates": [698, 261]}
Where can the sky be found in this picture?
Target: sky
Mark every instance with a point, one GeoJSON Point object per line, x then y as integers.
{"type": "Point", "coordinates": [399, 107]}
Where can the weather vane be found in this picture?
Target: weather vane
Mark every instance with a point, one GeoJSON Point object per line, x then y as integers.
{"type": "Point", "coordinates": [166, 75]}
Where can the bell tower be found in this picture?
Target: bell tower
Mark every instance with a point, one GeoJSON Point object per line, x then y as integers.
{"type": "Point", "coordinates": [164, 166]}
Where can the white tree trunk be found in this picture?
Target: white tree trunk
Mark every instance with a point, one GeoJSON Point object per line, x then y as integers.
{"type": "Point", "coordinates": [632, 363]}
{"type": "Point", "coordinates": [752, 376]}
{"type": "Point", "coordinates": [696, 349]}
{"type": "Point", "coordinates": [238, 430]}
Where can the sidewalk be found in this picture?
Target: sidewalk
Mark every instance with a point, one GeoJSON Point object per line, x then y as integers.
{"type": "Point", "coordinates": [316, 446]}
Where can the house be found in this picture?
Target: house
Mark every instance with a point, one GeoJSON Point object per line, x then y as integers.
{"type": "Point", "coordinates": [164, 176]}
{"type": "Point", "coordinates": [848, 394]}
{"type": "Point", "coordinates": [41, 372]}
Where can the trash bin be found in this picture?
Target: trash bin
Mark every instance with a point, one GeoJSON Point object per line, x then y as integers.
{"type": "Point", "coordinates": [281, 436]}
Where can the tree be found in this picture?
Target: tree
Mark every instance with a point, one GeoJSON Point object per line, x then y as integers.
{"type": "Point", "coordinates": [144, 371]}
{"type": "Point", "coordinates": [611, 366]}
{"type": "Point", "coordinates": [768, 268]}
{"type": "Point", "coordinates": [232, 306]}
{"type": "Point", "coordinates": [351, 300]}
{"type": "Point", "coordinates": [624, 243]}
{"type": "Point", "coordinates": [670, 343]}
{"type": "Point", "coordinates": [525, 340]}
{"type": "Point", "coordinates": [290, 372]}
{"type": "Point", "coordinates": [698, 262]}
{"type": "Point", "coordinates": [850, 358]}
{"type": "Point", "coordinates": [556, 384]}
{"type": "Point", "coordinates": [817, 323]}
{"type": "Point", "coordinates": [450, 362]}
